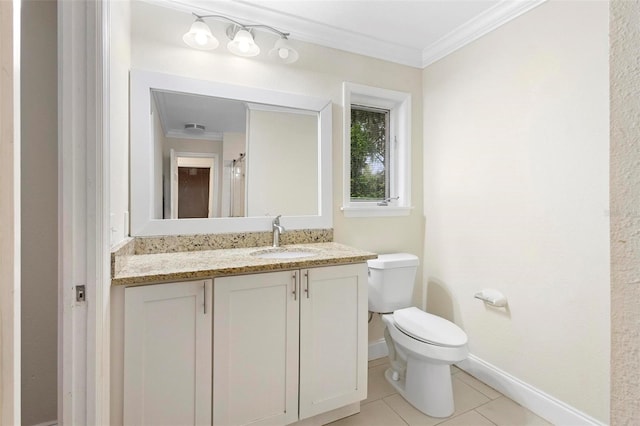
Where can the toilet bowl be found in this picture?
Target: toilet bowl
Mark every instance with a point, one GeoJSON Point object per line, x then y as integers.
{"type": "Point", "coordinates": [421, 346]}
{"type": "Point", "coordinates": [421, 359]}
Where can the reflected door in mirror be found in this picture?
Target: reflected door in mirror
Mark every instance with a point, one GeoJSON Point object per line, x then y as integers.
{"type": "Point", "coordinates": [193, 192]}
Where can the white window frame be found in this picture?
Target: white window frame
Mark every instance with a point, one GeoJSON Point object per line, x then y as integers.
{"type": "Point", "coordinates": [399, 106]}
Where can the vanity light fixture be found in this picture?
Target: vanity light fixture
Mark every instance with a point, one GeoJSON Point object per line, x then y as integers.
{"type": "Point", "coordinates": [199, 36]}
{"type": "Point", "coordinates": [242, 42]}
{"type": "Point", "coordinates": [241, 36]}
{"type": "Point", "coordinates": [283, 52]}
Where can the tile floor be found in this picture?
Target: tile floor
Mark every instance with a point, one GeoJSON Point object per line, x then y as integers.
{"type": "Point", "coordinates": [476, 404]}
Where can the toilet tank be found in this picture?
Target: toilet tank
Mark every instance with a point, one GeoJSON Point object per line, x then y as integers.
{"type": "Point", "coordinates": [391, 280]}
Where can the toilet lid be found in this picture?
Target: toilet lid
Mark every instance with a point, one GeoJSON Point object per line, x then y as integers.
{"type": "Point", "coordinates": [429, 328]}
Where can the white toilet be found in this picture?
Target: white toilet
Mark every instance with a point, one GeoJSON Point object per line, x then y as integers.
{"type": "Point", "coordinates": [421, 346]}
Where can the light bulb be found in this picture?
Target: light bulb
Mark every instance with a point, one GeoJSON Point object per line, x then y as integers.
{"type": "Point", "coordinates": [242, 43]}
{"type": "Point", "coordinates": [199, 36]}
{"type": "Point", "coordinates": [283, 52]}
{"type": "Point", "coordinates": [200, 39]}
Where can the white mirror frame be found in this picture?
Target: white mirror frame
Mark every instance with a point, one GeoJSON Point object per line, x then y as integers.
{"type": "Point", "coordinates": [142, 154]}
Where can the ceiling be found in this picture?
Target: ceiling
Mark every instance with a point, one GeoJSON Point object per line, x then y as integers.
{"type": "Point", "coordinates": [410, 32]}
{"type": "Point", "coordinates": [217, 115]}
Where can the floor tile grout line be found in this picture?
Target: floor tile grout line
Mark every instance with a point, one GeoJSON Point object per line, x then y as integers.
{"type": "Point", "coordinates": [473, 387]}
{"type": "Point", "coordinates": [381, 398]}
{"type": "Point", "coordinates": [489, 402]}
{"type": "Point", "coordinates": [400, 415]}
{"type": "Point", "coordinates": [482, 415]}
{"type": "Point", "coordinates": [439, 420]}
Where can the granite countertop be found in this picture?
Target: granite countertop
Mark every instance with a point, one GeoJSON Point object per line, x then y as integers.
{"type": "Point", "coordinates": [163, 267]}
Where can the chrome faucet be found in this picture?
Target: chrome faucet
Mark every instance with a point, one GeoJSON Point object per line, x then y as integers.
{"type": "Point", "coordinates": [277, 230]}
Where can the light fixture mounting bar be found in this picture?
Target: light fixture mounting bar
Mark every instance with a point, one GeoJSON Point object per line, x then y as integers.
{"type": "Point", "coordinates": [244, 26]}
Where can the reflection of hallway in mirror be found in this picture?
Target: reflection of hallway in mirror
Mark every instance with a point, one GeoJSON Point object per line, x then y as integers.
{"type": "Point", "coordinates": [237, 181]}
{"type": "Point", "coordinates": [193, 192]}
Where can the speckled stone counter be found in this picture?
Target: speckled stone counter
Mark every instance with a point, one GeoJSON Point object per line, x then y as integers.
{"type": "Point", "coordinates": [179, 243]}
{"type": "Point", "coordinates": [140, 269]}
{"type": "Point", "coordinates": [121, 252]}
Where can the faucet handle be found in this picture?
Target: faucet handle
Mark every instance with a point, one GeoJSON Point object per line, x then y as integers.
{"type": "Point", "coordinates": [276, 221]}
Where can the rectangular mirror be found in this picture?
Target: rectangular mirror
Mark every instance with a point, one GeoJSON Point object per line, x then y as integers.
{"type": "Point", "coordinates": [209, 157]}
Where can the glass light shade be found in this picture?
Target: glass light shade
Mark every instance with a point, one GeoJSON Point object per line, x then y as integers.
{"type": "Point", "coordinates": [243, 44]}
{"type": "Point", "coordinates": [199, 36]}
{"type": "Point", "coordinates": [283, 52]}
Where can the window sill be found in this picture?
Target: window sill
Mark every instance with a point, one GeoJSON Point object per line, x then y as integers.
{"type": "Point", "coordinates": [375, 211]}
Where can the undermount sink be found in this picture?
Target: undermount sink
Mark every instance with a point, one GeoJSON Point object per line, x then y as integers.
{"type": "Point", "coordinates": [284, 253]}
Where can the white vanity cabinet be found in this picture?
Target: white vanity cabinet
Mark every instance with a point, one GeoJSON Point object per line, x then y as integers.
{"type": "Point", "coordinates": [289, 345]}
{"type": "Point", "coordinates": [167, 354]}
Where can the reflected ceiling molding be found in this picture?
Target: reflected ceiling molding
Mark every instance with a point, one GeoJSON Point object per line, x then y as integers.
{"type": "Point", "coordinates": [185, 134]}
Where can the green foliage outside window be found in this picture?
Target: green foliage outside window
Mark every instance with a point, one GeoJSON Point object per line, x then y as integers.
{"type": "Point", "coordinates": [369, 145]}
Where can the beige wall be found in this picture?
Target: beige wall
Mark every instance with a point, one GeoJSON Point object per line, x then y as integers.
{"type": "Point", "coordinates": [39, 179]}
{"type": "Point", "coordinates": [516, 198]}
{"type": "Point", "coordinates": [160, 204]}
{"type": "Point", "coordinates": [625, 212]}
{"type": "Point", "coordinates": [9, 214]}
{"type": "Point", "coordinates": [233, 144]}
{"type": "Point", "coordinates": [281, 145]}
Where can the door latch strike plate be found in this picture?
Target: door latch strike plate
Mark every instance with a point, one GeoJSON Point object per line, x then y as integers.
{"type": "Point", "coordinates": [80, 293]}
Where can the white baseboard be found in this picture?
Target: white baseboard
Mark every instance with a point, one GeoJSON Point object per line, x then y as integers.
{"type": "Point", "coordinates": [50, 423]}
{"type": "Point", "coordinates": [378, 349]}
{"type": "Point", "coordinates": [542, 404]}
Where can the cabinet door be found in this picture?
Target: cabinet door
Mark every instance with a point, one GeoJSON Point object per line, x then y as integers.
{"type": "Point", "coordinates": [333, 338]}
{"type": "Point", "coordinates": [167, 354]}
{"type": "Point", "coordinates": [255, 361]}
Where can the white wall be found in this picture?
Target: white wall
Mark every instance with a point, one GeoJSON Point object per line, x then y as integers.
{"type": "Point", "coordinates": [39, 208]}
{"type": "Point", "coordinates": [516, 198]}
{"type": "Point", "coordinates": [625, 213]}
{"type": "Point", "coordinates": [119, 118]}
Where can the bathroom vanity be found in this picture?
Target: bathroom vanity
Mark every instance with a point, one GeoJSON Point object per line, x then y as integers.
{"type": "Point", "coordinates": [240, 336]}
{"type": "Point", "coordinates": [212, 332]}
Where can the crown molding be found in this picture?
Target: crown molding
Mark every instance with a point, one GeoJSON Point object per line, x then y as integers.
{"type": "Point", "coordinates": [206, 136]}
{"type": "Point", "coordinates": [305, 30]}
{"type": "Point", "coordinates": [477, 27]}
{"type": "Point", "coordinates": [310, 31]}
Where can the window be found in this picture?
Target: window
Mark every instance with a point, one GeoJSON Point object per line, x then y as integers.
{"type": "Point", "coordinates": [377, 152]}
{"type": "Point", "coordinates": [369, 153]}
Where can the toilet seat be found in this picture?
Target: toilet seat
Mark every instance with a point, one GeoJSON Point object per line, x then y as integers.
{"type": "Point", "coordinates": [429, 328]}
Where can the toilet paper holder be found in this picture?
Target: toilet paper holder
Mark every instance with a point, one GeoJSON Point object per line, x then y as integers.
{"type": "Point", "coordinates": [492, 297]}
